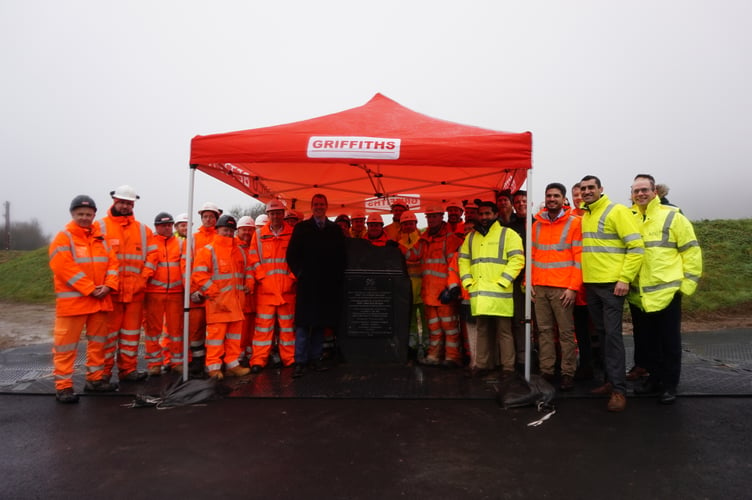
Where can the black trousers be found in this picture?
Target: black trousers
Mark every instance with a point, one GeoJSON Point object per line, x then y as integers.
{"type": "Point", "coordinates": [661, 338]}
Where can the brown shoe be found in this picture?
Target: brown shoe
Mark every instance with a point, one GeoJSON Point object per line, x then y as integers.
{"type": "Point", "coordinates": [155, 371]}
{"type": "Point", "coordinates": [603, 389]}
{"type": "Point", "coordinates": [237, 371]}
{"type": "Point", "coordinates": [617, 402]}
{"type": "Point", "coordinates": [636, 373]}
{"type": "Point", "coordinates": [567, 383]}
{"type": "Point", "coordinates": [216, 374]}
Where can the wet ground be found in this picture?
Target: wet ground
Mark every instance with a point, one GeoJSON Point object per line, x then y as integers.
{"type": "Point", "coordinates": [380, 432]}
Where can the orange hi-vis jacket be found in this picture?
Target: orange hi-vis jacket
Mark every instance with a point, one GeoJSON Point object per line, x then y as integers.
{"type": "Point", "coordinates": [435, 252]}
{"type": "Point", "coordinates": [380, 241]}
{"type": "Point", "coordinates": [406, 242]}
{"type": "Point", "coordinates": [249, 306]}
{"type": "Point", "coordinates": [130, 240]}
{"type": "Point", "coordinates": [201, 238]}
{"type": "Point", "coordinates": [81, 260]}
{"type": "Point", "coordinates": [163, 269]}
{"type": "Point", "coordinates": [220, 275]}
{"type": "Point", "coordinates": [275, 283]}
{"type": "Point", "coordinates": [557, 250]}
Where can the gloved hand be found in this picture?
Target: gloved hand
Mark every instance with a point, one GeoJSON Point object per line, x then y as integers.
{"type": "Point", "coordinates": [197, 297]}
{"type": "Point", "coordinates": [449, 294]}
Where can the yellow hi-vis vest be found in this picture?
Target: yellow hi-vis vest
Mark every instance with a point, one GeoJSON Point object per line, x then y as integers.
{"type": "Point", "coordinates": [488, 266]}
{"type": "Point", "coordinates": [673, 259]}
{"type": "Point", "coordinates": [612, 248]}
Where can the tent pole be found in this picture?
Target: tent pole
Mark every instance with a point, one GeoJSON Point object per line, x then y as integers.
{"type": "Point", "coordinates": [528, 271]}
{"type": "Point", "coordinates": [187, 277]}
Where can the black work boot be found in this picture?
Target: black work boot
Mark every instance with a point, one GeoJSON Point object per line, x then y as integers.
{"type": "Point", "coordinates": [66, 396]}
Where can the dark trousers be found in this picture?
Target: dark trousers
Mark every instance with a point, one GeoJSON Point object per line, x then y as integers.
{"type": "Point", "coordinates": [606, 311]}
{"type": "Point", "coordinates": [309, 343]}
{"type": "Point", "coordinates": [662, 333]}
{"type": "Point", "coordinates": [640, 337]}
{"type": "Point", "coordinates": [582, 331]}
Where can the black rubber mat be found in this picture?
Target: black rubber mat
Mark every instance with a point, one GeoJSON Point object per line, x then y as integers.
{"type": "Point", "coordinates": [717, 363]}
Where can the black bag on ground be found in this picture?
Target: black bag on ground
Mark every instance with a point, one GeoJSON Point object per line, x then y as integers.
{"type": "Point", "coordinates": [515, 392]}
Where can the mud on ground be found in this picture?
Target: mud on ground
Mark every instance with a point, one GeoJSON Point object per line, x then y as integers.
{"type": "Point", "coordinates": [26, 324]}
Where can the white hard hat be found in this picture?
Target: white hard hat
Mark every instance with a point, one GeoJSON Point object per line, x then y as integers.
{"type": "Point", "coordinates": [181, 218]}
{"type": "Point", "coordinates": [409, 215]}
{"type": "Point", "coordinates": [375, 218]}
{"type": "Point", "coordinates": [262, 219]}
{"type": "Point", "coordinates": [210, 207]}
{"type": "Point", "coordinates": [274, 205]}
{"type": "Point", "coordinates": [246, 221]}
{"type": "Point", "coordinates": [125, 192]}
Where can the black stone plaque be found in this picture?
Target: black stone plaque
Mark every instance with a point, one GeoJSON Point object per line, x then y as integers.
{"type": "Point", "coordinates": [370, 310]}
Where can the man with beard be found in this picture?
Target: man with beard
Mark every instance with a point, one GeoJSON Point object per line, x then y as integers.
{"type": "Point", "coordinates": [612, 253]}
{"type": "Point", "coordinates": [130, 240]}
{"type": "Point", "coordinates": [490, 259]}
{"type": "Point", "coordinates": [556, 274]}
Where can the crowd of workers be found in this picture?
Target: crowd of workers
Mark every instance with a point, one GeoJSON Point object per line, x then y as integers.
{"type": "Point", "coordinates": [268, 292]}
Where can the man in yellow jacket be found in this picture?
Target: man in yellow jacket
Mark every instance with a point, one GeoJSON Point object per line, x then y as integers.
{"type": "Point", "coordinates": [612, 252]}
{"type": "Point", "coordinates": [671, 268]}
{"type": "Point", "coordinates": [490, 259]}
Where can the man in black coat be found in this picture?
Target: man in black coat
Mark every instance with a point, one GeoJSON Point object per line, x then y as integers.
{"type": "Point", "coordinates": [316, 256]}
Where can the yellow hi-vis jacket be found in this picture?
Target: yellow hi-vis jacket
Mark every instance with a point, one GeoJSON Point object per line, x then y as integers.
{"type": "Point", "coordinates": [673, 259]}
{"type": "Point", "coordinates": [612, 248]}
{"type": "Point", "coordinates": [488, 266]}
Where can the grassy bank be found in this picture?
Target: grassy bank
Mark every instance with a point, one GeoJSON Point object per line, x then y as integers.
{"type": "Point", "coordinates": [725, 285]}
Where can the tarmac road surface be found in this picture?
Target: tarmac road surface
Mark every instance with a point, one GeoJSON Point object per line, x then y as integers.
{"type": "Point", "coordinates": [349, 448]}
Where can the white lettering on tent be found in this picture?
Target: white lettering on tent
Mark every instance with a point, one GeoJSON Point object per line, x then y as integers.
{"type": "Point", "coordinates": [372, 148]}
{"type": "Point", "coordinates": [411, 200]}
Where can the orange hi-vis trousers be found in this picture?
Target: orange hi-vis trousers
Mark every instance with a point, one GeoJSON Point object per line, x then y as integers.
{"type": "Point", "coordinates": [223, 344]}
{"type": "Point", "coordinates": [66, 335]}
{"type": "Point", "coordinates": [444, 331]}
{"type": "Point", "coordinates": [266, 317]}
{"type": "Point", "coordinates": [123, 336]}
{"type": "Point", "coordinates": [163, 310]}
{"type": "Point", "coordinates": [197, 331]}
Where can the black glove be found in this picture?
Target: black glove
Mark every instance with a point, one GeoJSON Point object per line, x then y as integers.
{"type": "Point", "coordinates": [449, 295]}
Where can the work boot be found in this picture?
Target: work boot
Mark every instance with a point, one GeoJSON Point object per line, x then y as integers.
{"type": "Point", "coordinates": [177, 368]}
{"type": "Point", "coordinates": [567, 383]}
{"type": "Point", "coordinates": [100, 385]}
{"type": "Point", "coordinates": [299, 370]}
{"type": "Point", "coordinates": [66, 396]}
{"type": "Point", "coordinates": [636, 373]}
{"type": "Point", "coordinates": [450, 364]}
{"type": "Point", "coordinates": [216, 374]}
{"type": "Point", "coordinates": [256, 369]}
{"type": "Point", "coordinates": [429, 361]}
{"type": "Point", "coordinates": [617, 402]}
{"type": "Point", "coordinates": [648, 387]}
{"type": "Point", "coordinates": [155, 371]}
{"type": "Point", "coordinates": [318, 366]}
{"type": "Point", "coordinates": [134, 376]}
{"type": "Point", "coordinates": [668, 397]}
{"type": "Point", "coordinates": [237, 371]}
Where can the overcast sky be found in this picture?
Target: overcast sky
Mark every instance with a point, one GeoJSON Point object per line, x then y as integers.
{"type": "Point", "coordinates": [96, 94]}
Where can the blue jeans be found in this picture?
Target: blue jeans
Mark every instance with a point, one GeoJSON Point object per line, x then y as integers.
{"type": "Point", "coordinates": [309, 343]}
{"type": "Point", "coordinates": [606, 311]}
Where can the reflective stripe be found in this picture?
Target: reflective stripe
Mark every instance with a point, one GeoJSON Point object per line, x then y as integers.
{"type": "Point", "coordinates": [662, 286]}
{"type": "Point", "coordinates": [485, 293]}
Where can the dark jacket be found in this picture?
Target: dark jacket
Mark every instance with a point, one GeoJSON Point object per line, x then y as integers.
{"type": "Point", "coordinates": [317, 258]}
